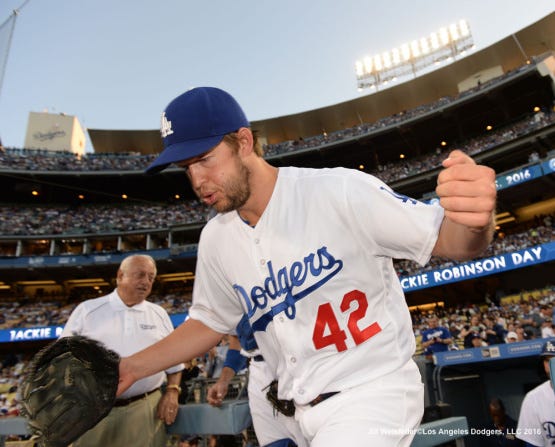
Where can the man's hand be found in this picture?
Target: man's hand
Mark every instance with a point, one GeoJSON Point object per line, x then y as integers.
{"type": "Point", "coordinates": [467, 191]}
{"type": "Point", "coordinates": [217, 392]}
{"type": "Point", "coordinates": [168, 407]}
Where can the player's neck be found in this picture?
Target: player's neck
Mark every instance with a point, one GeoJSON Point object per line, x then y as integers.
{"type": "Point", "coordinates": [262, 182]}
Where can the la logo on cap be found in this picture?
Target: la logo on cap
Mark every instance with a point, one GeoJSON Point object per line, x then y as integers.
{"type": "Point", "coordinates": [165, 126]}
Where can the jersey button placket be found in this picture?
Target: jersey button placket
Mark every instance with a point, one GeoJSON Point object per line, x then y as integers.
{"type": "Point", "coordinates": [257, 250]}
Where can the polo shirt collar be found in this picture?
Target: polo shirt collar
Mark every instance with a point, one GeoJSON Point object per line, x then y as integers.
{"type": "Point", "coordinates": [118, 305]}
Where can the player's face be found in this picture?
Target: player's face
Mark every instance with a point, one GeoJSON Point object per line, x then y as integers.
{"type": "Point", "coordinates": [135, 281]}
{"type": "Point", "coordinates": [219, 178]}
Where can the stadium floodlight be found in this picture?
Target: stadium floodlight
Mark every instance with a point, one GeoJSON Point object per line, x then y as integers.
{"type": "Point", "coordinates": [440, 46]}
{"type": "Point", "coordinates": [396, 56]}
{"type": "Point", "coordinates": [415, 49]}
{"type": "Point", "coordinates": [424, 45]}
{"type": "Point", "coordinates": [405, 51]}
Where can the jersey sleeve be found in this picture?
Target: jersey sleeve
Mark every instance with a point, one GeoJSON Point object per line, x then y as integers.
{"type": "Point", "coordinates": [391, 224]}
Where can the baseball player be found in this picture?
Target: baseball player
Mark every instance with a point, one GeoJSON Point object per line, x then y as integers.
{"type": "Point", "coordinates": [272, 428]}
{"type": "Point", "coordinates": [307, 255]}
{"type": "Point", "coordinates": [536, 422]}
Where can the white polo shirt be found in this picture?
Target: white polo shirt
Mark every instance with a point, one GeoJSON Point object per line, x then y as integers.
{"type": "Point", "coordinates": [125, 330]}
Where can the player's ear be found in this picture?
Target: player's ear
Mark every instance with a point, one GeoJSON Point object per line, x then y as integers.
{"type": "Point", "coordinates": [246, 141]}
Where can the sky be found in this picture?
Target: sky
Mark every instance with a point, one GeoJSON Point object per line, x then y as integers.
{"type": "Point", "coordinates": [116, 64]}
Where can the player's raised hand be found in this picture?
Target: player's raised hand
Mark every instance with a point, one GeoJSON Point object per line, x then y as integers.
{"type": "Point", "coordinates": [467, 191]}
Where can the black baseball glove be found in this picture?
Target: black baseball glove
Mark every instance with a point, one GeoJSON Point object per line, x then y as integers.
{"type": "Point", "coordinates": [68, 388]}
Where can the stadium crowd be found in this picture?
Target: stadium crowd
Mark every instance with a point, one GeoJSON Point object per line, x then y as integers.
{"type": "Point", "coordinates": [87, 219]}
{"type": "Point", "coordinates": [44, 160]}
{"type": "Point", "coordinates": [365, 129]}
{"type": "Point", "coordinates": [90, 219]}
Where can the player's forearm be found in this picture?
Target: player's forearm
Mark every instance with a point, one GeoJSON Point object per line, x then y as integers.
{"type": "Point", "coordinates": [226, 375]}
{"type": "Point", "coordinates": [189, 340]}
{"type": "Point", "coordinates": [460, 242]}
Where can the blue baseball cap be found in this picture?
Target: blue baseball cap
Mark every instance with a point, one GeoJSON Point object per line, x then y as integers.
{"type": "Point", "coordinates": [195, 122]}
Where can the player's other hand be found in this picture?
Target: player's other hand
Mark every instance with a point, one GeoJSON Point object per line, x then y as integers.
{"type": "Point", "coordinates": [216, 393]}
{"type": "Point", "coordinates": [467, 191]}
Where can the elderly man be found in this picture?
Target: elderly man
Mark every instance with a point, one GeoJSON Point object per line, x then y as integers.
{"type": "Point", "coordinates": [126, 323]}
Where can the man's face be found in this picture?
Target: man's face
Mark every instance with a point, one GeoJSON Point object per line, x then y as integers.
{"type": "Point", "coordinates": [219, 178]}
{"type": "Point", "coordinates": [135, 281]}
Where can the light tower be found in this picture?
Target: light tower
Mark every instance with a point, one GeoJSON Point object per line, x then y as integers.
{"type": "Point", "coordinates": [407, 60]}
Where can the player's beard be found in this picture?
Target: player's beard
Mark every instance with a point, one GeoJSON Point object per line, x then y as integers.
{"type": "Point", "coordinates": [236, 190]}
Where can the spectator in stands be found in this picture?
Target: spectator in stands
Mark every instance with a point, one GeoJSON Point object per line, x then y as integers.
{"type": "Point", "coordinates": [436, 338]}
{"type": "Point", "coordinates": [547, 328]}
{"type": "Point", "coordinates": [531, 321]}
{"type": "Point", "coordinates": [470, 330]}
{"type": "Point", "coordinates": [546, 311]}
{"type": "Point", "coordinates": [511, 337]}
{"type": "Point", "coordinates": [520, 333]}
{"type": "Point", "coordinates": [192, 371]}
{"type": "Point", "coordinates": [537, 413]}
{"type": "Point", "coordinates": [126, 322]}
{"type": "Point", "coordinates": [502, 430]}
{"type": "Point", "coordinates": [477, 341]}
{"type": "Point", "coordinates": [493, 333]}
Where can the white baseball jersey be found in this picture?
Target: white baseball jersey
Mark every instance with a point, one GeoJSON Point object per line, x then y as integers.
{"type": "Point", "coordinates": [536, 422]}
{"type": "Point", "coordinates": [123, 329]}
{"type": "Point", "coordinates": [316, 278]}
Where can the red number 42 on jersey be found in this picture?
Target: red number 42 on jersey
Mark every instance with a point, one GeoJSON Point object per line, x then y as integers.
{"type": "Point", "coordinates": [327, 330]}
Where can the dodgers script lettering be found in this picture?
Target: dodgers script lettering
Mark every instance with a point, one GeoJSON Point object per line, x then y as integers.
{"type": "Point", "coordinates": [304, 277]}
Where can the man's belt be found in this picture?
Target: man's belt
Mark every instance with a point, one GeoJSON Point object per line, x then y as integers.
{"type": "Point", "coordinates": [130, 400]}
{"type": "Point", "coordinates": [287, 407]}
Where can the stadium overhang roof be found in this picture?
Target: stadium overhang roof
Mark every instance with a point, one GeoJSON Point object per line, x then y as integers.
{"type": "Point", "coordinates": [509, 53]}
{"type": "Point", "coordinates": [119, 141]}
